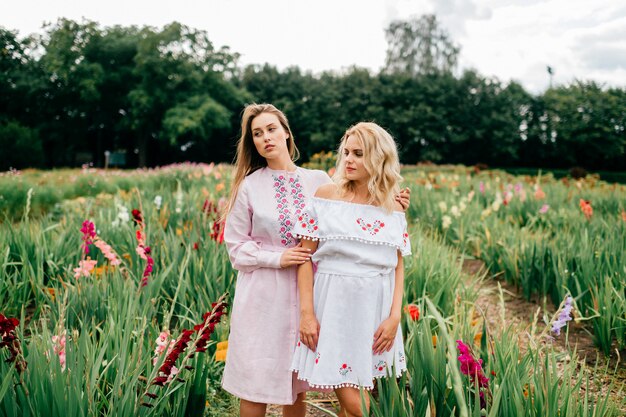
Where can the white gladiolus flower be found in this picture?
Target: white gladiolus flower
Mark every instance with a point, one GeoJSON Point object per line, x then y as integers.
{"type": "Point", "coordinates": [446, 221]}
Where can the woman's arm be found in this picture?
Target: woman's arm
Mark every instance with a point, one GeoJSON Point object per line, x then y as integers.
{"type": "Point", "coordinates": [386, 332]}
{"type": "Point", "coordinates": [398, 290]}
{"type": "Point", "coordinates": [309, 326]}
{"type": "Point", "coordinates": [244, 252]}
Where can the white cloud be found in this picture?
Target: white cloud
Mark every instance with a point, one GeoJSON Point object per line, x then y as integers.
{"type": "Point", "coordinates": [509, 39]}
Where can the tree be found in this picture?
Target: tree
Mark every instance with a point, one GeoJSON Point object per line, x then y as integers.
{"type": "Point", "coordinates": [419, 46]}
{"type": "Point", "coordinates": [173, 65]}
{"type": "Point", "coordinates": [589, 124]}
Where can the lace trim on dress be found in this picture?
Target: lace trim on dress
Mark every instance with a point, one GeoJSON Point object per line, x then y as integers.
{"type": "Point", "coordinates": [345, 384]}
{"type": "Point", "coordinates": [357, 239]}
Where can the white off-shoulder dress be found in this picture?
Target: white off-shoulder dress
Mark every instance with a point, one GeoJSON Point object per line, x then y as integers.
{"type": "Point", "coordinates": [352, 292]}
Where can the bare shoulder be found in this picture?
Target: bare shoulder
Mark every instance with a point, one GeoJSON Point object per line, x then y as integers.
{"type": "Point", "coordinates": [328, 191]}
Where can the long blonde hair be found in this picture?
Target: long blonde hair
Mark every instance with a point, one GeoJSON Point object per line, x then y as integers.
{"type": "Point", "coordinates": [247, 159]}
{"type": "Point", "coordinates": [380, 159]}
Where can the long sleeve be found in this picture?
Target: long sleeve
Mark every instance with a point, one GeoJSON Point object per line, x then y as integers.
{"type": "Point", "coordinates": [244, 252]}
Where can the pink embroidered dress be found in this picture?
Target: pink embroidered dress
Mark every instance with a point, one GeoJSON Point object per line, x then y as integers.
{"type": "Point", "coordinates": [352, 292]}
{"type": "Point", "coordinates": [265, 318]}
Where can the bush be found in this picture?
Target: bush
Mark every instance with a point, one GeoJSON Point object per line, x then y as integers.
{"type": "Point", "coordinates": [21, 146]}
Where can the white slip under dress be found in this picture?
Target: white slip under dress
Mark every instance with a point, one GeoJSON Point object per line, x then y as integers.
{"type": "Point", "coordinates": [352, 292]}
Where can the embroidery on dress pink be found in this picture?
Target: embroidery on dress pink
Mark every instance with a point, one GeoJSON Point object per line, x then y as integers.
{"type": "Point", "coordinates": [307, 222]}
{"type": "Point", "coordinates": [283, 205]}
{"type": "Point", "coordinates": [372, 228]}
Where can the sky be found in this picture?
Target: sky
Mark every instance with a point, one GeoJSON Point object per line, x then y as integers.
{"type": "Point", "coordinates": [506, 39]}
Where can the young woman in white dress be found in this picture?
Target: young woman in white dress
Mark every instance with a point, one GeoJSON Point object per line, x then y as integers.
{"type": "Point", "coordinates": [350, 307]}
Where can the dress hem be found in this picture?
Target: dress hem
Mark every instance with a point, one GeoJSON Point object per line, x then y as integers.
{"type": "Point", "coordinates": [343, 385]}
{"type": "Point", "coordinates": [255, 399]}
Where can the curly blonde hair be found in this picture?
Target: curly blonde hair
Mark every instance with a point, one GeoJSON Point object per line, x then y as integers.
{"type": "Point", "coordinates": [381, 162]}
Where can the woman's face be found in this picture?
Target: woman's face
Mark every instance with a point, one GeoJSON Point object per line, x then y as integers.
{"type": "Point", "coordinates": [353, 160]}
{"type": "Point", "coordinates": [269, 136]}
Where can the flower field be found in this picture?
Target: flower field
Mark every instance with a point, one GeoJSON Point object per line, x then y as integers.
{"type": "Point", "coordinates": [114, 289]}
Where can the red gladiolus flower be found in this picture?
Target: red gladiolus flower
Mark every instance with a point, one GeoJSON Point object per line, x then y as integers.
{"type": "Point", "coordinates": [9, 339]}
{"type": "Point", "coordinates": [218, 231]}
{"type": "Point", "coordinates": [168, 370]}
{"type": "Point", "coordinates": [413, 311]}
{"type": "Point", "coordinates": [585, 207]}
{"type": "Point", "coordinates": [137, 218]}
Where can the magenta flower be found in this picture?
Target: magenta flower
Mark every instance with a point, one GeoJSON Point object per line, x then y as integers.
{"type": "Point", "coordinates": [89, 234]}
{"type": "Point", "coordinates": [474, 369]}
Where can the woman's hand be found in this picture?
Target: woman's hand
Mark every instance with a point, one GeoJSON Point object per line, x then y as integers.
{"type": "Point", "coordinates": [385, 335]}
{"type": "Point", "coordinates": [404, 198]}
{"type": "Point", "coordinates": [295, 256]}
{"type": "Point", "coordinates": [309, 330]}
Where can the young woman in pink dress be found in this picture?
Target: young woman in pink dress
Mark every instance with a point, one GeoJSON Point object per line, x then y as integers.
{"type": "Point", "coordinates": [269, 192]}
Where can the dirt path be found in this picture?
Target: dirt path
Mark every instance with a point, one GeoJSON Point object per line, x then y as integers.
{"type": "Point", "coordinates": [520, 313]}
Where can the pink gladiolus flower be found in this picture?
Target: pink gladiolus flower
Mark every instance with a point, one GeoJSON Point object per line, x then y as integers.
{"type": "Point", "coordinates": [544, 209]}
{"type": "Point", "coordinates": [59, 349]}
{"type": "Point", "coordinates": [163, 342]}
{"type": "Point", "coordinates": [481, 187]}
{"type": "Point", "coordinates": [84, 268]}
{"type": "Point", "coordinates": [107, 251]}
{"type": "Point", "coordinates": [141, 252]}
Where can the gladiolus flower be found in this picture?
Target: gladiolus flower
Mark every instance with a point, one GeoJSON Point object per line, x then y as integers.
{"type": "Point", "coordinates": [544, 209]}
{"type": "Point", "coordinates": [413, 311]}
{"type": "Point", "coordinates": [539, 194]}
{"type": "Point", "coordinates": [59, 348]}
{"type": "Point", "coordinates": [84, 268]}
{"type": "Point", "coordinates": [168, 371]}
{"type": "Point", "coordinates": [446, 221]}
{"type": "Point", "coordinates": [9, 339]}
{"type": "Point", "coordinates": [585, 207]}
{"type": "Point", "coordinates": [564, 316]}
{"type": "Point", "coordinates": [137, 218]}
{"type": "Point", "coordinates": [107, 251]}
{"type": "Point", "coordinates": [89, 233]}
{"type": "Point", "coordinates": [473, 368]}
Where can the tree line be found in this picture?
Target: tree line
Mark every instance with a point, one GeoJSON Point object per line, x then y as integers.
{"type": "Point", "coordinates": [167, 95]}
